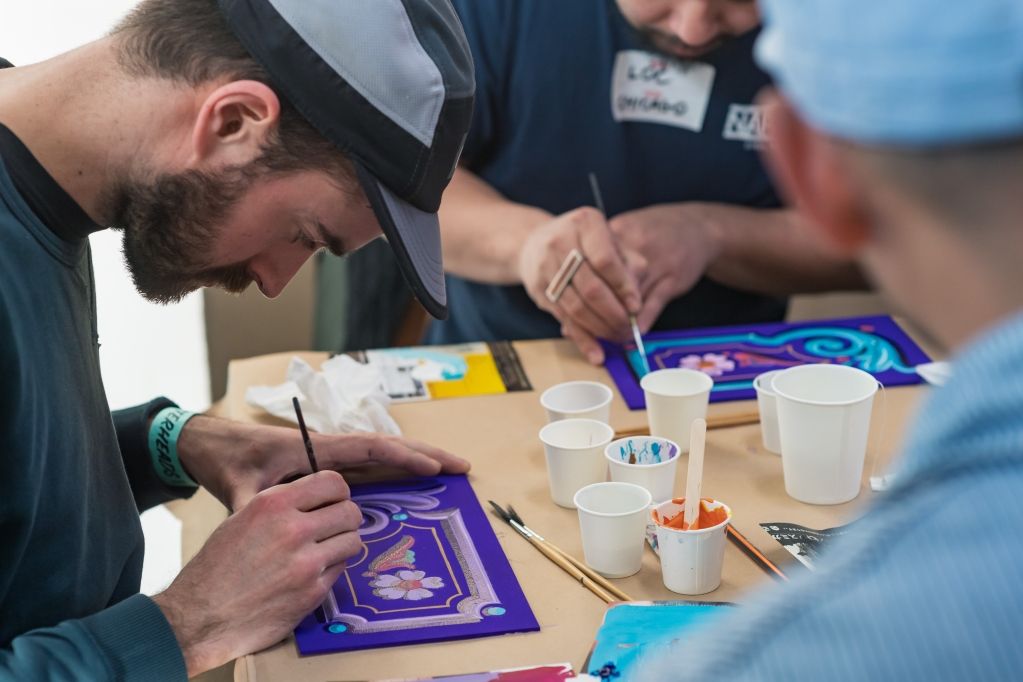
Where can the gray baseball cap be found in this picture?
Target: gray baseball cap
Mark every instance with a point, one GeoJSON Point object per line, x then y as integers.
{"type": "Point", "coordinates": [391, 83]}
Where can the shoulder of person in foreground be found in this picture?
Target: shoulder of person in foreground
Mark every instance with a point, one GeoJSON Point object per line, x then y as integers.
{"type": "Point", "coordinates": [926, 590]}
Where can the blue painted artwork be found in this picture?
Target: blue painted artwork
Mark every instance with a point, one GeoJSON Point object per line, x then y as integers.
{"type": "Point", "coordinates": [637, 629]}
{"type": "Point", "coordinates": [734, 356]}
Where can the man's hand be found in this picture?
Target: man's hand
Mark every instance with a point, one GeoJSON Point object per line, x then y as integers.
{"type": "Point", "coordinates": [603, 292]}
{"type": "Point", "coordinates": [235, 461]}
{"type": "Point", "coordinates": [675, 244]}
{"type": "Point", "coordinates": [262, 570]}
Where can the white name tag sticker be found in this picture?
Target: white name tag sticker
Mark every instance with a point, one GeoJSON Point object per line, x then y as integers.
{"type": "Point", "coordinates": [657, 89]}
{"type": "Point", "coordinates": [746, 123]}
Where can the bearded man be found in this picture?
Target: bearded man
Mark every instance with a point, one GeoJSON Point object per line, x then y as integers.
{"type": "Point", "coordinates": [229, 141]}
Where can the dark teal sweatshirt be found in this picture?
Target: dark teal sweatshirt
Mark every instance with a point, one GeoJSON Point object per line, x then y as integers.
{"type": "Point", "coordinates": [73, 477]}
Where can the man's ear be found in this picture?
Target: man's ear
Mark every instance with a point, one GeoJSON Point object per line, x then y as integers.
{"type": "Point", "coordinates": [809, 169]}
{"type": "Point", "coordinates": [234, 122]}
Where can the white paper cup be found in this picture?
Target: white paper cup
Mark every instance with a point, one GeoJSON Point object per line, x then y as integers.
{"type": "Point", "coordinates": [575, 456]}
{"type": "Point", "coordinates": [674, 398]}
{"type": "Point", "coordinates": [824, 423]}
{"type": "Point", "coordinates": [612, 518]}
{"type": "Point", "coordinates": [768, 406]}
{"type": "Point", "coordinates": [577, 400]}
{"type": "Point", "coordinates": [691, 560]}
{"type": "Point", "coordinates": [647, 461]}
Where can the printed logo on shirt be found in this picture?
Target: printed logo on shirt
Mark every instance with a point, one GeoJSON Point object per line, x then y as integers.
{"type": "Point", "coordinates": [654, 88]}
{"type": "Point", "coordinates": [746, 123]}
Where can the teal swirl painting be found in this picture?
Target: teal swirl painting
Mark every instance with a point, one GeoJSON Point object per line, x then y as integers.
{"type": "Point", "coordinates": [734, 356]}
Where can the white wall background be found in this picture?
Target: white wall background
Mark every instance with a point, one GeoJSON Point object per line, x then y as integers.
{"type": "Point", "coordinates": [146, 350]}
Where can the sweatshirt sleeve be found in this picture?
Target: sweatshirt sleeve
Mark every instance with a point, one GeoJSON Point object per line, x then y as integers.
{"type": "Point", "coordinates": [132, 426]}
{"type": "Point", "coordinates": [123, 643]}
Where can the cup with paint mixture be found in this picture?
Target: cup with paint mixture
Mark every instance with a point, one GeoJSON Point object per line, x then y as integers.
{"type": "Point", "coordinates": [647, 461]}
{"type": "Point", "coordinates": [691, 557]}
{"type": "Point", "coordinates": [768, 406]}
{"type": "Point", "coordinates": [674, 398]}
{"type": "Point", "coordinates": [577, 400]}
{"type": "Point", "coordinates": [574, 449]}
{"type": "Point", "coordinates": [824, 422]}
{"type": "Point", "coordinates": [612, 520]}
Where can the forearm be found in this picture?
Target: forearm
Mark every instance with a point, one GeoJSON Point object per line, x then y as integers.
{"type": "Point", "coordinates": [199, 650]}
{"type": "Point", "coordinates": [206, 443]}
{"type": "Point", "coordinates": [771, 251]}
{"type": "Point", "coordinates": [482, 231]}
{"type": "Point", "coordinates": [128, 641]}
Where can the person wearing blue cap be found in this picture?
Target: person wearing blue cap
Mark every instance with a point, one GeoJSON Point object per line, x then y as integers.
{"type": "Point", "coordinates": [897, 129]}
{"type": "Point", "coordinates": [655, 99]}
{"type": "Point", "coordinates": [229, 140]}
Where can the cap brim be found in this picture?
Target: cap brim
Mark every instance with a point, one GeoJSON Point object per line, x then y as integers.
{"type": "Point", "coordinates": [414, 236]}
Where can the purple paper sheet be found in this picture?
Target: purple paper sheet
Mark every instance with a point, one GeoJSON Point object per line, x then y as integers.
{"type": "Point", "coordinates": [432, 570]}
{"type": "Point", "coordinates": [734, 356]}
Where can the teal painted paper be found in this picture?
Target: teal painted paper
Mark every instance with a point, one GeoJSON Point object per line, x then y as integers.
{"type": "Point", "coordinates": [633, 631]}
{"type": "Point", "coordinates": [734, 356]}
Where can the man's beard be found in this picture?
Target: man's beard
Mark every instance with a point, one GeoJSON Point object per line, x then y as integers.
{"type": "Point", "coordinates": [670, 45]}
{"type": "Point", "coordinates": [170, 225]}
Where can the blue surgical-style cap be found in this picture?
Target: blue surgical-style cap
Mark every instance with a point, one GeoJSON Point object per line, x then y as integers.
{"type": "Point", "coordinates": [899, 72]}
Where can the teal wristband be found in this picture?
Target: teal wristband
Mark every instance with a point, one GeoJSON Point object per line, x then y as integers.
{"type": "Point", "coordinates": [163, 446]}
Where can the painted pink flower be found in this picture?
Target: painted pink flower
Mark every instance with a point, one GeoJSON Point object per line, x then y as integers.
{"type": "Point", "coordinates": [411, 585]}
{"type": "Point", "coordinates": [711, 364]}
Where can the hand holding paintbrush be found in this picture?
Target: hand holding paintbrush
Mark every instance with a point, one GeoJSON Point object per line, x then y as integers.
{"type": "Point", "coordinates": [637, 337]}
{"type": "Point", "coordinates": [572, 268]}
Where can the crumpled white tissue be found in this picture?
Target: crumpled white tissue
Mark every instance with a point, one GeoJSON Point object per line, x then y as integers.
{"type": "Point", "coordinates": [344, 396]}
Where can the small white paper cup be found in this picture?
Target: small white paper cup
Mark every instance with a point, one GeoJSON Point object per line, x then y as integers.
{"type": "Point", "coordinates": [768, 405]}
{"type": "Point", "coordinates": [655, 464]}
{"type": "Point", "coordinates": [577, 400]}
{"type": "Point", "coordinates": [674, 398]}
{"type": "Point", "coordinates": [612, 520]}
{"type": "Point", "coordinates": [574, 449]}
{"type": "Point", "coordinates": [691, 560]}
{"type": "Point", "coordinates": [824, 424]}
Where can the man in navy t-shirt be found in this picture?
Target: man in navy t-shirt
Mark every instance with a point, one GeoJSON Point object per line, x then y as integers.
{"type": "Point", "coordinates": [656, 99]}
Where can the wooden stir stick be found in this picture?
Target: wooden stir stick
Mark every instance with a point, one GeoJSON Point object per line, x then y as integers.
{"type": "Point", "coordinates": [718, 422]}
{"type": "Point", "coordinates": [694, 476]}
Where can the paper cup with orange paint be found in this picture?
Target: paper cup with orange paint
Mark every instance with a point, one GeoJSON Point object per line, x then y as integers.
{"type": "Point", "coordinates": [691, 559]}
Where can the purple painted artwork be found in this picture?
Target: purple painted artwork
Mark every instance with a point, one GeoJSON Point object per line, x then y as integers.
{"type": "Point", "coordinates": [734, 356]}
{"type": "Point", "coordinates": [431, 570]}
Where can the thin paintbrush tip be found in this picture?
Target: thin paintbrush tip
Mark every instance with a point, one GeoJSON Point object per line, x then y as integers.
{"type": "Point", "coordinates": [638, 340]}
{"type": "Point", "coordinates": [500, 512]}
{"type": "Point", "coordinates": [515, 515]}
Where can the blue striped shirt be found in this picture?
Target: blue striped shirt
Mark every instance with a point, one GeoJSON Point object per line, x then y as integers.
{"type": "Point", "coordinates": [929, 585]}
